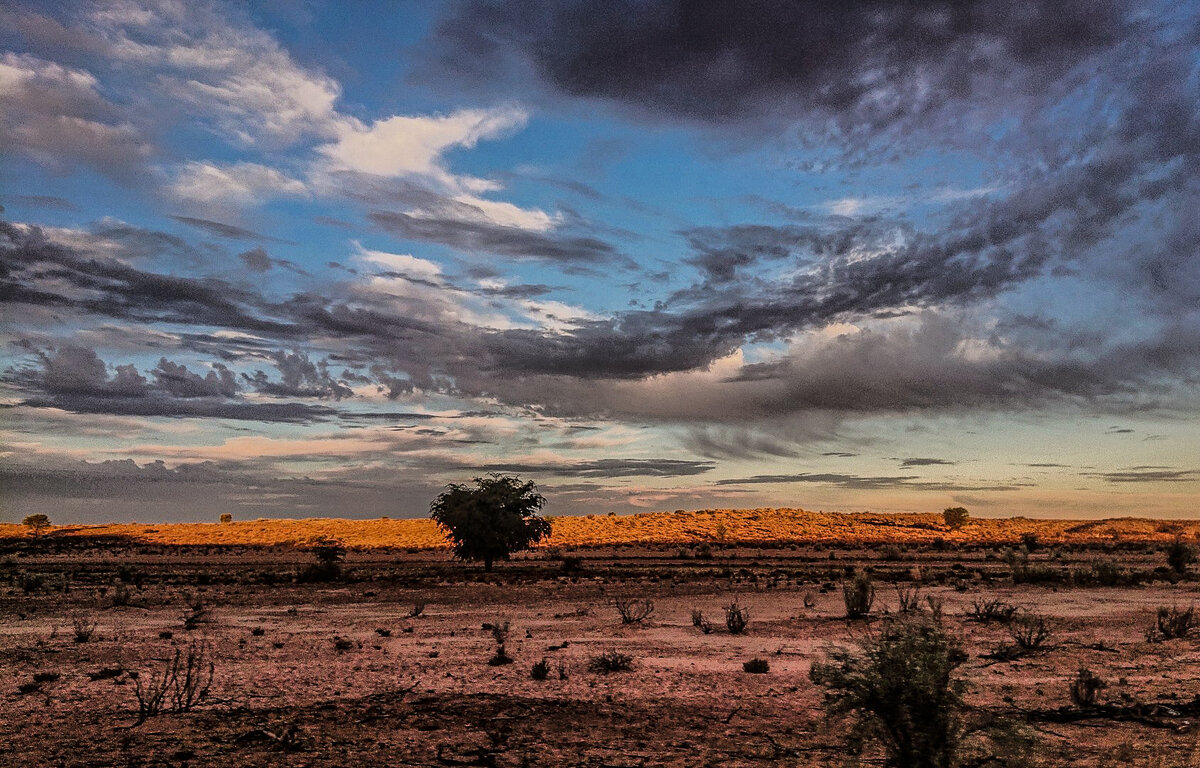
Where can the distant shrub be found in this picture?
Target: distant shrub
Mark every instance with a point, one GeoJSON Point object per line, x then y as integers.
{"type": "Point", "coordinates": [737, 618]}
{"type": "Point", "coordinates": [1106, 573]}
{"type": "Point", "coordinates": [30, 582]}
{"type": "Point", "coordinates": [329, 554]}
{"type": "Point", "coordinates": [955, 517]}
{"type": "Point", "coordinates": [226, 517]}
{"type": "Point", "coordinates": [1171, 623]}
{"type": "Point", "coordinates": [756, 666]}
{"type": "Point", "coordinates": [701, 623]}
{"type": "Point", "coordinates": [258, 632]}
{"type": "Point", "coordinates": [383, 632]}
{"type": "Point", "coordinates": [1086, 687]}
{"type": "Point", "coordinates": [858, 594]}
{"type": "Point", "coordinates": [341, 644]}
{"type": "Point", "coordinates": [1030, 541]}
{"type": "Point", "coordinates": [417, 609]}
{"type": "Point", "coordinates": [610, 661]}
{"type": "Point", "coordinates": [1180, 555]}
{"type": "Point", "coordinates": [634, 611]}
{"type": "Point", "coordinates": [540, 670]}
{"type": "Point", "coordinates": [121, 595]}
{"type": "Point", "coordinates": [891, 553]}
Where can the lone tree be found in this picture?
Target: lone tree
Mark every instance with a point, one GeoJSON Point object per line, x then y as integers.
{"type": "Point", "coordinates": [37, 524]}
{"type": "Point", "coordinates": [955, 517]}
{"type": "Point", "coordinates": [492, 520]}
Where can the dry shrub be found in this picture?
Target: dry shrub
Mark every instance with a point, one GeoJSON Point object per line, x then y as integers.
{"type": "Point", "coordinates": [181, 684]}
{"type": "Point", "coordinates": [633, 610]}
{"type": "Point", "coordinates": [610, 661]}
{"type": "Point", "coordinates": [859, 595]}
{"type": "Point", "coordinates": [737, 618]}
{"type": "Point", "coordinates": [1086, 687]}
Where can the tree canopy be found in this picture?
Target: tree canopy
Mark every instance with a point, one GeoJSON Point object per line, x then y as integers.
{"type": "Point", "coordinates": [493, 519]}
{"type": "Point", "coordinates": [37, 524]}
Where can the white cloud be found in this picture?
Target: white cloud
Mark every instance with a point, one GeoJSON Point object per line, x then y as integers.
{"type": "Point", "coordinates": [401, 263]}
{"type": "Point", "coordinates": [237, 76]}
{"type": "Point", "coordinates": [405, 146]}
{"type": "Point", "coordinates": [231, 184]}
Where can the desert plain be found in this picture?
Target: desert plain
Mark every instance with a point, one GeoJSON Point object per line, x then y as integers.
{"type": "Point", "coordinates": [386, 663]}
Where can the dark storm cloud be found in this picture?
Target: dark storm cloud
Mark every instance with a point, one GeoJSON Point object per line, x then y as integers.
{"type": "Point", "coordinates": [40, 201]}
{"type": "Point", "coordinates": [608, 468]}
{"type": "Point", "coordinates": [228, 231]}
{"type": "Point", "coordinates": [202, 408]}
{"type": "Point", "coordinates": [1148, 475]}
{"type": "Point", "coordinates": [735, 443]}
{"type": "Point", "coordinates": [256, 259]}
{"type": "Point", "coordinates": [76, 379]}
{"type": "Point", "coordinates": [178, 381]}
{"type": "Point", "coordinates": [477, 236]}
{"type": "Point", "coordinates": [300, 377]}
{"type": "Point", "coordinates": [923, 462]}
{"type": "Point", "coordinates": [869, 64]}
{"type": "Point", "coordinates": [865, 482]}
{"type": "Point", "coordinates": [39, 270]}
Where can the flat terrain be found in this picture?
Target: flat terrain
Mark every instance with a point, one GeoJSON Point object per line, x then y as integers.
{"type": "Point", "coordinates": [339, 673]}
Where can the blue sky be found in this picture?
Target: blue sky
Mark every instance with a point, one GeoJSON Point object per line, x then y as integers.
{"type": "Point", "coordinates": [302, 259]}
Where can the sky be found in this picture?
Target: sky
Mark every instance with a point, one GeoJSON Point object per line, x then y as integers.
{"type": "Point", "coordinates": [309, 259]}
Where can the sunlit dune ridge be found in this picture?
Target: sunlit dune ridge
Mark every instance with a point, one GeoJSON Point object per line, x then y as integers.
{"type": "Point", "coordinates": [750, 526]}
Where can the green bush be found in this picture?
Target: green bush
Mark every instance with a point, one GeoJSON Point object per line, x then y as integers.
{"type": "Point", "coordinates": [1180, 555]}
{"type": "Point", "coordinates": [859, 595]}
{"type": "Point", "coordinates": [955, 517]}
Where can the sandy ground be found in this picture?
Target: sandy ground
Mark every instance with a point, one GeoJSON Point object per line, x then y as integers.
{"type": "Point", "coordinates": [285, 692]}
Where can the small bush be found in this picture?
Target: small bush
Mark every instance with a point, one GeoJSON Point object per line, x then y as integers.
{"type": "Point", "coordinates": [417, 609]}
{"type": "Point", "coordinates": [329, 554]}
{"type": "Point", "coordinates": [540, 670]}
{"type": "Point", "coordinates": [226, 518]}
{"type": "Point", "coordinates": [737, 618]}
{"type": "Point", "coordinates": [1171, 623]}
{"type": "Point", "coordinates": [121, 596]}
{"type": "Point", "coordinates": [383, 632]}
{"type": "Point", "coordinates": [30, 582]}
{"type": "Point", "coordinates": [1180, 555]}
{"type": "Point", "coordinates": [1086, 687]}
{"type": "Point", "coordinates": [610, 661]}
{"type": "Point", "coordinates": [756, 666]}
{"type": "Point", "coordinates": [1108, 574]}
{"type": "Point", "coordinates": [891, 553]}
{"type": "Point", "coordinates": [633, 611]}
{"type": "Point", "coordinates": [258, 632]}
{"type": "Point", "coordinates": [859, 595]}
{"type": "Point", "coordinates": [955, 517]}
{"type": "Point", "coordinates": [701, 623]}
{"type": "Point", "coordinates": [499, 629]}
{"type": "Point", "coordinates": [341, 644]}
{"type": "Point", "coordinates": [83, 626]}
{"type": "Point", "coordinates": [909, 599]}
{"type": "Point", "coordinates": [987, 611]}
{"type": "Point", "coordinates": [1029, 631]}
